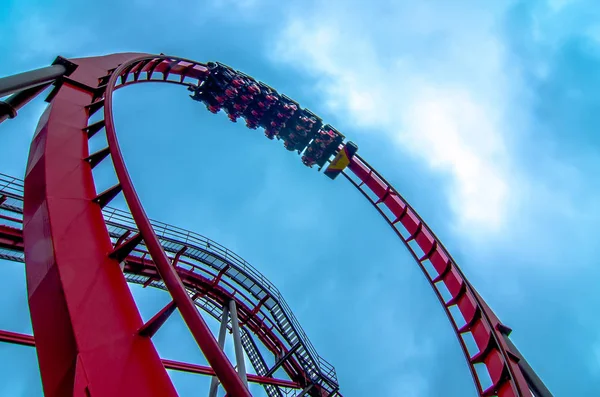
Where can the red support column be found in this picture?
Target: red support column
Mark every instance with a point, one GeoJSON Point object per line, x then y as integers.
{"type": "Point", "coordinates": [84, 317]}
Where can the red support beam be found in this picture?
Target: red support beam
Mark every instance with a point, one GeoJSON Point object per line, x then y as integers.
{"type": "Point", "coordinates": [221, 273]}
{"type": "Point", "coordinates": [11, 219]}
{"type": "Point", "coordinates": [18, 339]}
{"type": "Point", "coordinates": [178, 255]}
{"type": "Point", "coordinates": [11, 237]}
{"type": "Point", "coordinates": [255, 310]}
{"type": "Point", "coordinates": [28, 340]}
{"type": "Point", "coordinates": [154, 324]}
{"type": "Point", "coordinates": [266, 334]}
{"type": "Point", "coordinates": [203, 370]}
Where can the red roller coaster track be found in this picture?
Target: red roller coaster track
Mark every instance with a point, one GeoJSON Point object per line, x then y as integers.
{"type": "Point", "coordinates": [213, 276]}
{"type": "Point", "coordinates": [73, 261]}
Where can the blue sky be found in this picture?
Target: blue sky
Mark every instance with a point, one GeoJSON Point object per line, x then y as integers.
{"type": "Point", "coordinates": [483, 116]}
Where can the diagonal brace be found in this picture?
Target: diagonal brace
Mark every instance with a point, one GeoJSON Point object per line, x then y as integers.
{"type": "Point", "coordinates": [283, 359]}
{"type": "Point", "coordinates": [154, 324]}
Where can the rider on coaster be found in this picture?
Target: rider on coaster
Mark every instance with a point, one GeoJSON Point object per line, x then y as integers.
{"type": "Point", "coordinates": [270, 133]}
{"type": "Point", "coordinates": [253, 89]}
{"type": "Point", "coordinates": [231, 92]}
{"type": "Point", "coordinates": [251, 124]}
{"type": "Point", "coordinates": [289, 145]}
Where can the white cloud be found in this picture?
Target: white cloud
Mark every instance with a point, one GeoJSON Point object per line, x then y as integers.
{"type": "Point", "coordinates": [425, 104]}
{"type": "Point", "coordinates": [557, 5]}
{"type": "Point", "coordinates": [440, 84]}
{"type": "Point", "coordinates": [455, 135]}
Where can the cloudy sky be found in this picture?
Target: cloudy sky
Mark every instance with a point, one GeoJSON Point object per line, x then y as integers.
{"type": "Point", "coordinates": [484, 117]}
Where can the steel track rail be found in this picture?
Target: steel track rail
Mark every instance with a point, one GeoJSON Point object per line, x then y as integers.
{"type": "Point", "coordinates": [211, 273]}
{"type": "Point", "coordinates": [91, 87]}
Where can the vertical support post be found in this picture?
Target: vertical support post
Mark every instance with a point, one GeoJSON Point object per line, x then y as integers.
{"type": "Point", "coordinates": [237, 342]}
{"type": "Point", "coordinates": [214, 383]}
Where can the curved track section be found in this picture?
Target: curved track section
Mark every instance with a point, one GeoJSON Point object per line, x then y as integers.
{"type": "Point", "coordinates": [213, 275]}
{"type": "Point", "coordinates": [473, 319]}
{"type": "Point", "coordinates": [61, 206]}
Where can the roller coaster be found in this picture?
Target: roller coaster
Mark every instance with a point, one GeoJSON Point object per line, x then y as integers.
{"type": "Point", "coordinates": [79, 253]}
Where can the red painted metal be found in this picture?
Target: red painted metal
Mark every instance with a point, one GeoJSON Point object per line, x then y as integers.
{"type": "Point", "coordinates": [204, 338]}
{"type": "Point", "coordinates": [273, 343]}
{"type": "Point", "coordinates": [81, 307]}
{"type": "Point", "coordinates": [29, 340]}
{"type": "Point", "coordinates": [16, 338]}
{"type": "Point", "coordinates": [11, 237]}
{"type": "Point", "coordinates": [11, 219]}
{"type": "Point", "coordinates": [478, 319]}
{"type": "Point", "coordinates": [200, 369]}
{"type": "Point", "coordinates": [195, 280]}
{"type": "Point", "coordinates": [153, 325]}
{"type": "Point", "coordinates": [59, 210]}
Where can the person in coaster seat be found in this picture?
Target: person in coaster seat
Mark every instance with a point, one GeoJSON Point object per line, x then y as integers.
{"type": "Point", "coordinates": [268, 101]}
{"type": "Point", "coordinates": [325, 138]}
{"type": "Point", "coordinates": [256, 114]}
{"type": "Point", "coordinates": [213, 108]}
{"type": "Point", "coordinates": [289, 109]}
{"type": "Point", "coordinates": [270, 133]}
{"type": "Point", "coordinates": [308, 161]}
{"type": "Point", "coordinates": [313, 154]}
{"type": "Point", "coordinates": [232, 114]}
{"type": "Point", "coordinates": [252, 124]}
{"type": "Point", "coordinates": [253, 118]}
{"type": "Point", "coordinates": [238, 82]}
{"type": "Point", "coordinates": [219, 97]}
{"type": "Point", "coordinates": [253, 89]}
{"type": "Point", "coordinates": [301, 130]}
{"type": "Point", "coordinates": [289, 145]}
{"type": "Point", "coordinates": [246, 98]}
{"type": "Point", "coordinates": [238, 107]}
{"type": "Point", "coordinates": [211, 103]}
{"type": "Point", "coordinates": [277, 125]}
{"type": "Point", "coordinates": [231, 92]}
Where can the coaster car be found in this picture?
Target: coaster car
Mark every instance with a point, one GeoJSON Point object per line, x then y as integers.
{"type": "Point", "coordinates": [240, 95]}
{"type": "Point", "coordinates": [279, 113]}
{"type": "Point", "coordinates": [221, 75]}
{"type": "Point", "coordinates": [341, 160]}
{"type": "Point", "coordinates": [324, 145]}
{"type": "Point", "coordinates": [302, 128]}
{"type": "Point", "coordinates": [285, 112]}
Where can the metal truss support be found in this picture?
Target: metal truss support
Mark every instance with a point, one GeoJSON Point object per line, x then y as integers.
{"type": "Point", "coordinates": [22, 81]}
{"type": "Point", "coordinates": [237, 342]}
{"type": "Point", "coordinates": [28, 340]}
{"type": "Point", "coordinates": [305, 391]}
{"type": "Point", "coordinates": [283, 359]}
{"type": "Point", "coordinates": [9, 108]}
{"type": "Point", "coordinates": [214, 383]}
